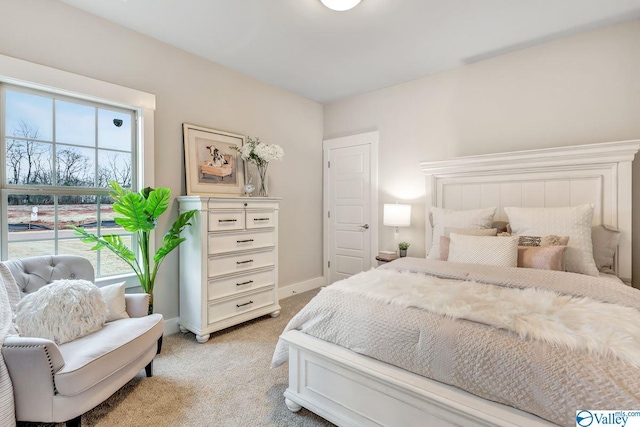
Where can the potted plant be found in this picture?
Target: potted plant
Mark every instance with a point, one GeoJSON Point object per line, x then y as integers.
{"type": "Point", "coordinates": [139, 214]}
{"type": "Point", "coordinates": [403, 246]}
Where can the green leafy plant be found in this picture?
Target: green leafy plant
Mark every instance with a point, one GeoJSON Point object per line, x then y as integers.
{"type": "Point", "coordinates": [403, 246]}
{"type": "Point", "coordinates": [139, 214]}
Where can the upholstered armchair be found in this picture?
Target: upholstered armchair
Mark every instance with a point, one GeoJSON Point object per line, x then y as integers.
{"type": "Point", "coordinates": [58, 383]}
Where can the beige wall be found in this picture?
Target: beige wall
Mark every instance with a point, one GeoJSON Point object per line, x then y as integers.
{"type": "Point", "coordinates": [192, 90]}
{"type": "Point", "coordinates": [578, 90]}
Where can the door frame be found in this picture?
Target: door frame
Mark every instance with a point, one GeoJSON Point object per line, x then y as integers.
{"type": "Point", "coordinates": [367, 138]}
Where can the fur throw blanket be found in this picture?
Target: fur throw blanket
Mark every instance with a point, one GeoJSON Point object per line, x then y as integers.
{"type": "Point", "coordinates": [61, 311]}
{"type": "Point", "coordinates": [577, 323]}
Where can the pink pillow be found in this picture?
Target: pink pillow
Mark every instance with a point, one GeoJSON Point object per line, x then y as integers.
{"type": "Point", "coordinates": [541, 257]}
{"type": "Point", "coordinates": [444, 248]}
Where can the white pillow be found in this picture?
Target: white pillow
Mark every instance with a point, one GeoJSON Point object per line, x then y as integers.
{"type": "Point", "coordinates": [61, 311]}
{"type": "Point", "coordinates": [574, 221]}
{"type": "Point", "coordinates": [114, 298]}
{"type": "Point", "coordinates": [498, 251]}
{"type": "Point", "coordinates": [473, 218]}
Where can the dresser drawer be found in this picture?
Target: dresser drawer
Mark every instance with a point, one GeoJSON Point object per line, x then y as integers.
{"type": "Point", "coordinates": [233, 285]}
{"type": "Point", "coordinates": [260, 219]}
{"type": "Point", "coordinates": [244, 304]}
{"type": "Point", "coordinates": [218, 266]}
{"type": "Point", "coordinates": [226, 220]}
{"type": "Point", "coordinates": [221, 243]}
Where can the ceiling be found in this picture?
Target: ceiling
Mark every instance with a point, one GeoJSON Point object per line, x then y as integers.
{"type": "Point", "coordinates": [324, 55]}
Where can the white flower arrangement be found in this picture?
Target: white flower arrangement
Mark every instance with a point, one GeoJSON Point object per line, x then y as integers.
{"type": "Point", "coordinates": [258, 152]}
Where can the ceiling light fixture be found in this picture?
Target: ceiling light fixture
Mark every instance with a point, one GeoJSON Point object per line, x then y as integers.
{"type": "Point", "coordinates": [340, 5]}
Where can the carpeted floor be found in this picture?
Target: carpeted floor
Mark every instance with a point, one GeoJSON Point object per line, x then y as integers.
{"type": "Point", "coordinates": [224, 382]}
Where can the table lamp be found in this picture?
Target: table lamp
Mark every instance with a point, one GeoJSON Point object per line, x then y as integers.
{"type": "Point", "coordinates": [396, 215]}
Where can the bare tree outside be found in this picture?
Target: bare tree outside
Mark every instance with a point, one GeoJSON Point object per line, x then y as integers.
{"type": "Point", "coordinates": [115, 167]}
{"type": "Point", "coordinates": [28, 161]}
{"type": "Point", "coordinates": [73, 168]}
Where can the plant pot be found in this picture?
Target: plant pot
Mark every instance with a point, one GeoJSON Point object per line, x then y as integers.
{"type": "Point", "coordinates": [403, 253]}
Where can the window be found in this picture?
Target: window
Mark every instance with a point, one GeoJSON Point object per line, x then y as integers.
{"type": "Point", "coordinates": [60, 154]}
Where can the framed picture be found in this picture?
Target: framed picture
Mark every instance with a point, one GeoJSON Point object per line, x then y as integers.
{"type": "Point", "coordinates": [212, 164]}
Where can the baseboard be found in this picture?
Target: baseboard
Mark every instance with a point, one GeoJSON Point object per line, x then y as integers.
{"type": "Point", "coordinates": [171, 326]}
{"type": "Point", "coordinates": [296, 288]}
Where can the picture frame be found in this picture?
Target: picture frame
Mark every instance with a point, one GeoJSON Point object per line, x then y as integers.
{"type": "Point", "coordinates": [212, 165]}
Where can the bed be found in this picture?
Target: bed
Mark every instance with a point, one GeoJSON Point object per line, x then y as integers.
{"type": "Point", "coordinates": [345, 378]}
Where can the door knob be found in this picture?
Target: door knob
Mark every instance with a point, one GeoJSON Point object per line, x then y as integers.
{"type": "Point", "coordinates": [366, 226]}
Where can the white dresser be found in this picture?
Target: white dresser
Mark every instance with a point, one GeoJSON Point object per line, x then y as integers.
{"type": "Point", "coordinates": [229, 263]}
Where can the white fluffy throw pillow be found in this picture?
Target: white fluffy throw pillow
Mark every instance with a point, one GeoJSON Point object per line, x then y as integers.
{"type": "Point", "coordinates": [62, 311]}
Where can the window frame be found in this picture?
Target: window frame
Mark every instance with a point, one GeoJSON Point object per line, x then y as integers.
{"type": "Point", "coordinates": [30, 77]}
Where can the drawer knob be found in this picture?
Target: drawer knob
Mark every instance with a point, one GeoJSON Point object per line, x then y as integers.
{"type": "Point", "coordinates": [244, 283]}
{"type": "Point", "coordinates": [244, 262]}
{"type": "Point", "coordinates": [244, 241]}
{"type": "Point", "coordinates": [227, 220]}
{"type": "Point", "coordinates": [242, 305]}
{"type": "Point", "coordinates": [261, 219]}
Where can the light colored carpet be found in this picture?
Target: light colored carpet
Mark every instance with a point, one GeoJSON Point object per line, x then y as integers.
{"type": "Point", "coordinates": [224, 382]}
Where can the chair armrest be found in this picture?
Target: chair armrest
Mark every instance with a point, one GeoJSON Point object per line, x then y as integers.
{"type": "Point", "coordinates": [32, 364]}
{"type": "Point", "coordinates": [137, 304]}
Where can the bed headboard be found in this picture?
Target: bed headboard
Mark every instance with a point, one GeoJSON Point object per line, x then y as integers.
{"type": "Point", "coordinates": [599, 174]}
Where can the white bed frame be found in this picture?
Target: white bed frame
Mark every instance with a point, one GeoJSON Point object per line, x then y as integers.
{"type": "Point", "coordinates": [349, 389]}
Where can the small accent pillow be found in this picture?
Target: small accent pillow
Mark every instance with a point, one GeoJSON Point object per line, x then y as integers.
{"type": "Point", "coordinates": [605, 242]}
{"type": "Point", "coordinates": [441, 218]}
{"type": "Point", "coordinates": [573, 221]}
{"type": "Point", "coordinates": [114, 298]}
{"type": "Point", "coordinates": [445, 241]}
{"type": "Point", "coordinates": [543, 240]}
{"type": "Point", "coordinates": [61, 311]}
{"type": "Point", "coordinates": [541, 257]}
{"type": "Point", "coordinates": [498, 251]}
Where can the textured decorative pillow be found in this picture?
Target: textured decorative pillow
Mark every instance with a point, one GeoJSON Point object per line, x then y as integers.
{"type": "Point", "coordinates": [441, 218]}
{"type": "Point", "coordinates": [62, 311]}
{"type": "Point", "coordinates": [498, 251]}
{"type": "Point", "coordinates": [543, 240]}
{"type": "Point", "coordinates": [113, 296]}
{"type": "Point", "coordinates": [605, 241]}
{"type": "Point", "coordinates": [574, 221]}
{"type": "Point", "coordinates": [541, 257]}
{"type": "Point", "coordinates": [445, 241]}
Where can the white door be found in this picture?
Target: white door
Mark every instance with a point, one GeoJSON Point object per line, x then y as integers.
{"type": "Point", "coordinates": [351, 224]}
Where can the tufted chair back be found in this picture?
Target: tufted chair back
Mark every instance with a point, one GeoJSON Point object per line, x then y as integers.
{"type": "Point", "coordinates": [35, 272]}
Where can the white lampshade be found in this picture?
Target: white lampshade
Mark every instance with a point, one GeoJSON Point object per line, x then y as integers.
{"type": "Point", "coordinates": [340, 5]}
{"type": "Point", "coordinates": [396, 215]}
